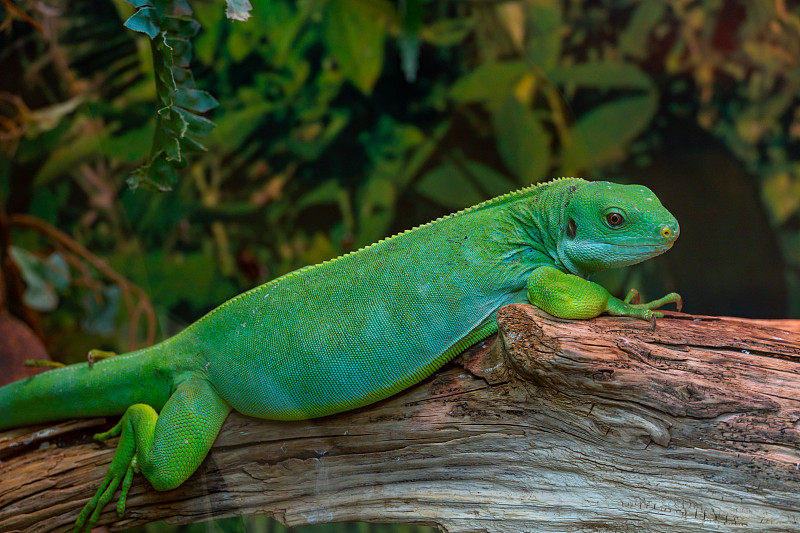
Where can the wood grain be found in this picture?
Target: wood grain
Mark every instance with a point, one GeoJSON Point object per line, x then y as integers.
{"type": "Point", "coordinates": [554, 426]}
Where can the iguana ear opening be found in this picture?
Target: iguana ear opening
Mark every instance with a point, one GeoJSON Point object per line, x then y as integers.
{"type": "Point", "coordinates": [572, 229]}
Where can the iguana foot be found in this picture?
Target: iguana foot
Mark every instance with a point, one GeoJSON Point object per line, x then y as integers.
{"type": "Point", "coordinates": [632, 297]}
{"type": "Point", "coordinates": [98, 355]}
{"type": "Point", "coordinates": [166, 448]}
{"type": "Point", "coordinates": [120, 472]}
{"type": "Point", "coordinates": [644, 311]}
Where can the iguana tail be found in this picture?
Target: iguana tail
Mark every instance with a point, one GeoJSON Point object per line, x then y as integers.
{"type": "Point", "coordinates": [77, 391]}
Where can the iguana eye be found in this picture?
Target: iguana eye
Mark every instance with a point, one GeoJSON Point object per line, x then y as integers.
{"type": "Point", "coordinates": [614, 219]}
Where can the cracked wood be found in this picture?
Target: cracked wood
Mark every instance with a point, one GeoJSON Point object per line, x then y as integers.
{"type": "Point", "coordinates": [557, 426]}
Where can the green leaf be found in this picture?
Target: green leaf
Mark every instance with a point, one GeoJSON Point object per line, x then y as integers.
{"type": "Point", "coordinates": [180, 275]}
{"type": "Point", "coordinates": [376, 200]}
{"type": "Point", "coordinates": [545, 29]}
{"type": "Point", "coordinates": [42, 278]}
{"type": "Point", "coordinates": [157, 175]}
{"type": "Point", "coordinates": [57, 271]}
{"type": "Point", "coordinates": [447, 186]}
{"type": "Point", "coordinates": [459, 182]}
{"type": "Point", "coordinates": [68, 155]}
{"type": "Point", "coordinates": [489, 82]}
{"type": "Point", "coordinates": [602, 135]}
{"type": "Point", "coordinates": [189, 145]}
{"type": "Point", "coordinates": [603, 75]}
{"type": "Point", "coordinates": [781, 194]}
{"type": "Point", "coordinates": [487, 180]}
{"type": "Point", "coordinates": [238, 10]}
{"type": "Point", "coordinates": [423, 151]}
{"type": "Point", "coordinates": [412, 13]}
{"type": "Point", "coordinates": [211, 18]}
{"type": "Point", "coordinates": [281, 24]}
{"type": "Point", "coordinates": [491, 182]}
{"type": "Point", "coordinates": [168, 144]}
{"type": "Point", "coordinates": [47, 202]}
{"type": "Point", "coordinates": [448, 32]}
{"type": "Point", "coordinates": [195, 99]}
{"type": "Point", "coordinates": [39, 295]}
{"type": "Point", "coordinates": [162, 66]}
{"type": "Point", "coordinates": [145, 20]}
{"type": "Point", "coordinates": [241, 42]}
{"type": "Point", "coordinates": [328, 192]}
{"type": "Point", "coordinates": [195, 124]}
{"type": "Point", "coordinates": [636, 37]}
{"type": "Point", "coordinates": [101, 310]}
{"type": "Point", "coordinates": [354, 31]}
{"type": "Point", "coordinates": [234, 127]}
{"type": "Point", "coordinates": [172, 123]}
{"type": "Point", "coordinates": [180, 27]}
{"type": "Point", "coordinates": [522, 141]}
{"type": "Point", "coordinates": [181, 53]}
{"type": "Point", "coordinates": [131, 145]}
{"type": "Point", "coordinates": [48, 118]}
{"type": "Point", "coordinates": [311, 149]}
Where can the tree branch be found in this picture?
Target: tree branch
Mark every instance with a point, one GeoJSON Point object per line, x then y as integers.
{"type": "Point", "coordinates": [557, 426]}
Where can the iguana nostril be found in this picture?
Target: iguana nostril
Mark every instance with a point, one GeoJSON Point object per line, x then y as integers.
{"type": "Point", "coordinates": [666, 232]}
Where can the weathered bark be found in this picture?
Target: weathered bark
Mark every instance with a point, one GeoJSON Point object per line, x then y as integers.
{"type": "Point", "coordinates": [558, 426]}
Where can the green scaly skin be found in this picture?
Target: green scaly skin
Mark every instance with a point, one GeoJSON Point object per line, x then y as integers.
{"type": "Point", "coordinates": [354, 330]}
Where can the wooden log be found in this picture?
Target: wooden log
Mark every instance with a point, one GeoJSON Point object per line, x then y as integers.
{"type": "Point", "coordinates": [557, 426]}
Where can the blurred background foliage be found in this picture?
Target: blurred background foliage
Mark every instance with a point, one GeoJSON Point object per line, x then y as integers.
{"type": "Point", "coordinates": [340, 122]}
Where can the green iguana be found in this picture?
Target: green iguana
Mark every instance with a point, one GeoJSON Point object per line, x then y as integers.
{"type": "Point", "coordinates": [354, 330]}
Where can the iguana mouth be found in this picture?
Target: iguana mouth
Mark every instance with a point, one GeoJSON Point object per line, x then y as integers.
{"type": "Point", "coordinates": [664, 246]}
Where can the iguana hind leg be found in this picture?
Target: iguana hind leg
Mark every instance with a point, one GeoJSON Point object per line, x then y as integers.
{"type": "Point", "coordinates": [166, 448]}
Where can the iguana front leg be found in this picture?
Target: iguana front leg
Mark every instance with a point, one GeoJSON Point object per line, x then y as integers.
{"type": "Point", "coordinates": [166, 448]}
{"type": "Point", "coordinates": [569, 296]}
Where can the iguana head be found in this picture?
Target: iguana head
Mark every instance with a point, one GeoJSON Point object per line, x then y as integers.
{"type": "Point", "coordinates": [607, 225]}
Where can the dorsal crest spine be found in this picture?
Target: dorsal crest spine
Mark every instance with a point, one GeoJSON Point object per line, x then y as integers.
{"type": "Point", "coordinates": [487, 203]}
